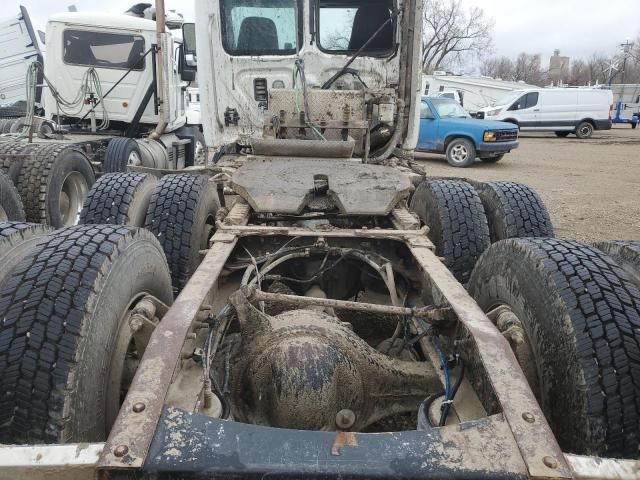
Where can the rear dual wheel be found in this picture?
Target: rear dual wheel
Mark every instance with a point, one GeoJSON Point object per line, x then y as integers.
{"type": "Point", "coordinates": [182, 216]}
{"type": "Point", "coordinates": [119, 199]}
{"type": "Point", "coordinates": [464, 218]}
{"type": "Point", "coordinates": [180, 210]}
{"type": "Point", "coordinates": [579, 316]}
{"type": "Point", "coordinates": [52, 180]}
{"type": "Point", "coordinates": [63, 367]}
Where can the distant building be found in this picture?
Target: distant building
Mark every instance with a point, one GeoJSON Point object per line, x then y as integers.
{"type": "Point", "coordinates": [558, 66]}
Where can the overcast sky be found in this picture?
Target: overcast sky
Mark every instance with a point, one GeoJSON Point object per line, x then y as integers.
{"type": "Point", "coordinates": [576, 27]}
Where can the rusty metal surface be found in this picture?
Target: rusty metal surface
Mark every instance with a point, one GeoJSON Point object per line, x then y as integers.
{"type": "Point", "coordinates": [325, 107]}
{"type": "Point", "coordinates": [154, 375]}
{"type": "Point", "coordinates": [430, 314]}
{"type": "Point", "coordinates": [412, 237]}
{"type": "Point", "coordinates": [535, 440]}
{"type": "Point", "coordinates": [272, 185]}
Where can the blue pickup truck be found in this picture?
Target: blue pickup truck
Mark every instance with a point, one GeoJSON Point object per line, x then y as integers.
{"type": "Point", "coordinates": [445, 127]}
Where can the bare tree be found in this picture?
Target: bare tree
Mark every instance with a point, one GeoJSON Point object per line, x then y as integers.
{"type": "Point", "coordinates": [528, 68]}
{"type": "Point", "coordinates": [451, 33]}
{"type": "Point", "coordinates": [497, 67]}
{"type": "Point", "coordinates": [578, 73]}
{"type": "Point", "coordinates": [597, 66]}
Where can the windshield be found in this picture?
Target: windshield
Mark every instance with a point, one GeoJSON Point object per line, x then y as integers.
{"type": "Point", "coordinates": [448, 108]}
{"type": "Point", "coordinates": [345, 26]}
{"type": "Point", "coordinates": [260, 27]}
{"type": "Point", "coordinates": [509, 98]}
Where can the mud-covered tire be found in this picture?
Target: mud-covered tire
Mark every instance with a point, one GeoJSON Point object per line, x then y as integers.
{"type": "Point", "coordinates": [11, 207]}
{"type": "Point", "coordinates": [625, 253]}
{"type": "Point", "coordinates": [457, 224]}
{"type": "Point", "coordinates": [56, 172]}
{"type": "Point", "coordinates": [182, 217]}
{"type": "Point", "coordinates": [120, 152]}
{"type": "Point", "coordinates": [581, 316]}
{"type": "Point", "coordinates": [119, 199]}
{"type": "Point", "coordinates": [17, 239]}
{"type": "Point", "coordinates": [514, 210]}
{"type": "Point", "coordinates": [60, 321]}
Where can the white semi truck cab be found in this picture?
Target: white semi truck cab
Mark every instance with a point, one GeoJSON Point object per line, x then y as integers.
{"type": "Point", "coordinates": [286, 70]}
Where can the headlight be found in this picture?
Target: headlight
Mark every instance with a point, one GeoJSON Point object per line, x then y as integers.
{"type": "Point", "coordinates": [493, 113]}
{"type": "Point", "coordinates": [489, 136]}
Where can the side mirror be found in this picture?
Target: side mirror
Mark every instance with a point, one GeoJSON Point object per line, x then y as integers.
{"type": "Point", "coordinates": [188, 61]}
{"type": "Point", "coordinates": [189, 38]}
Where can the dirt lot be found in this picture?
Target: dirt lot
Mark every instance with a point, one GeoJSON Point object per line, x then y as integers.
{"type": "Point", "coordinates": [591, 187]}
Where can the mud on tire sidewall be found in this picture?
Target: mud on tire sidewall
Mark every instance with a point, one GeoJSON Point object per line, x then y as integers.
{"type": "Point", "coordinates": [510, 273]}
{"type": "Point", "coordinates": [137, 270]}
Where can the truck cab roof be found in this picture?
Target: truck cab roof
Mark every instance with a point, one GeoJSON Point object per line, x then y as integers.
{"type": "Point", "coordinates": [119, 21]}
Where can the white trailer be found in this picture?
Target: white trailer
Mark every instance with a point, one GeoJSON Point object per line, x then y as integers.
{"type": "Point", "coordinates": [475, 92]}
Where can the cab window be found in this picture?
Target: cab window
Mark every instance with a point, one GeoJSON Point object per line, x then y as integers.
{"type": "Point", "coordinates": [260, 27]}
{"type": "Point", "coordinates": [100, 49]}
{"type": "Point", "coordinates": [425, 111]}
{"type": "Point", "coordinates": [526, 101]}
{"type": "Point", "coordinates": [345, 26]}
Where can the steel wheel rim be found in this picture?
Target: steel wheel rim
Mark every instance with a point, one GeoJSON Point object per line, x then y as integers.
{"type": "Point", "coordinates": [119, 362]}
{"type": "Point", "coordinates": [585, 130]}
{"type": "Point", "coordinates": [72, 195]}
{"type": "Point", "coordinates": [134, 159]}
{"type": "Point", "coordinates": [459, 153]}
{"type": "Point", "coordinates": [199, 155]}
{"type": "Point", "coordinates": [3, 215]}
{"type": "Point", "coordinates": [524, 353]}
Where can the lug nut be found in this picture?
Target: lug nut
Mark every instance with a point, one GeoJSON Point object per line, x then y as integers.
{"type": "Point", "coordinates": [139, 407]}
{"type": "Point", "coordinates": [528, 417]}
{"type": "Point", "coordinates": [121, 450]}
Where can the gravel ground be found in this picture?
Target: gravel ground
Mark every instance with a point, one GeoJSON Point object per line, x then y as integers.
{"type": "Point", "coordinates": [591, 187]}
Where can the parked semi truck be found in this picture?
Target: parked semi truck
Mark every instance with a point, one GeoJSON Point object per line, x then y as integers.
{"type": "Point", "coordinates": [109, 80]}
{"type": "Point", "coordinates": [302, 312]}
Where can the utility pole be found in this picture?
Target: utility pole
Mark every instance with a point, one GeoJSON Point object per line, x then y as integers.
{"type": "Point", "coordinates": [626, 51]}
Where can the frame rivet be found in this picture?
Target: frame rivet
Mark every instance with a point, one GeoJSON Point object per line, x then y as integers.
{"type": "Point", "coordinates": [550, 462]}
{"type": "Point", "coordinates": [528, 417]}
{"type": "Point", "coordinates": [139, 407]}
{"type": "Point", "coordinates": [121, 450]}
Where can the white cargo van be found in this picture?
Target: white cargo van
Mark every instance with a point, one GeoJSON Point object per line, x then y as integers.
{"type": "Point", "coordinates": [561, 110]}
